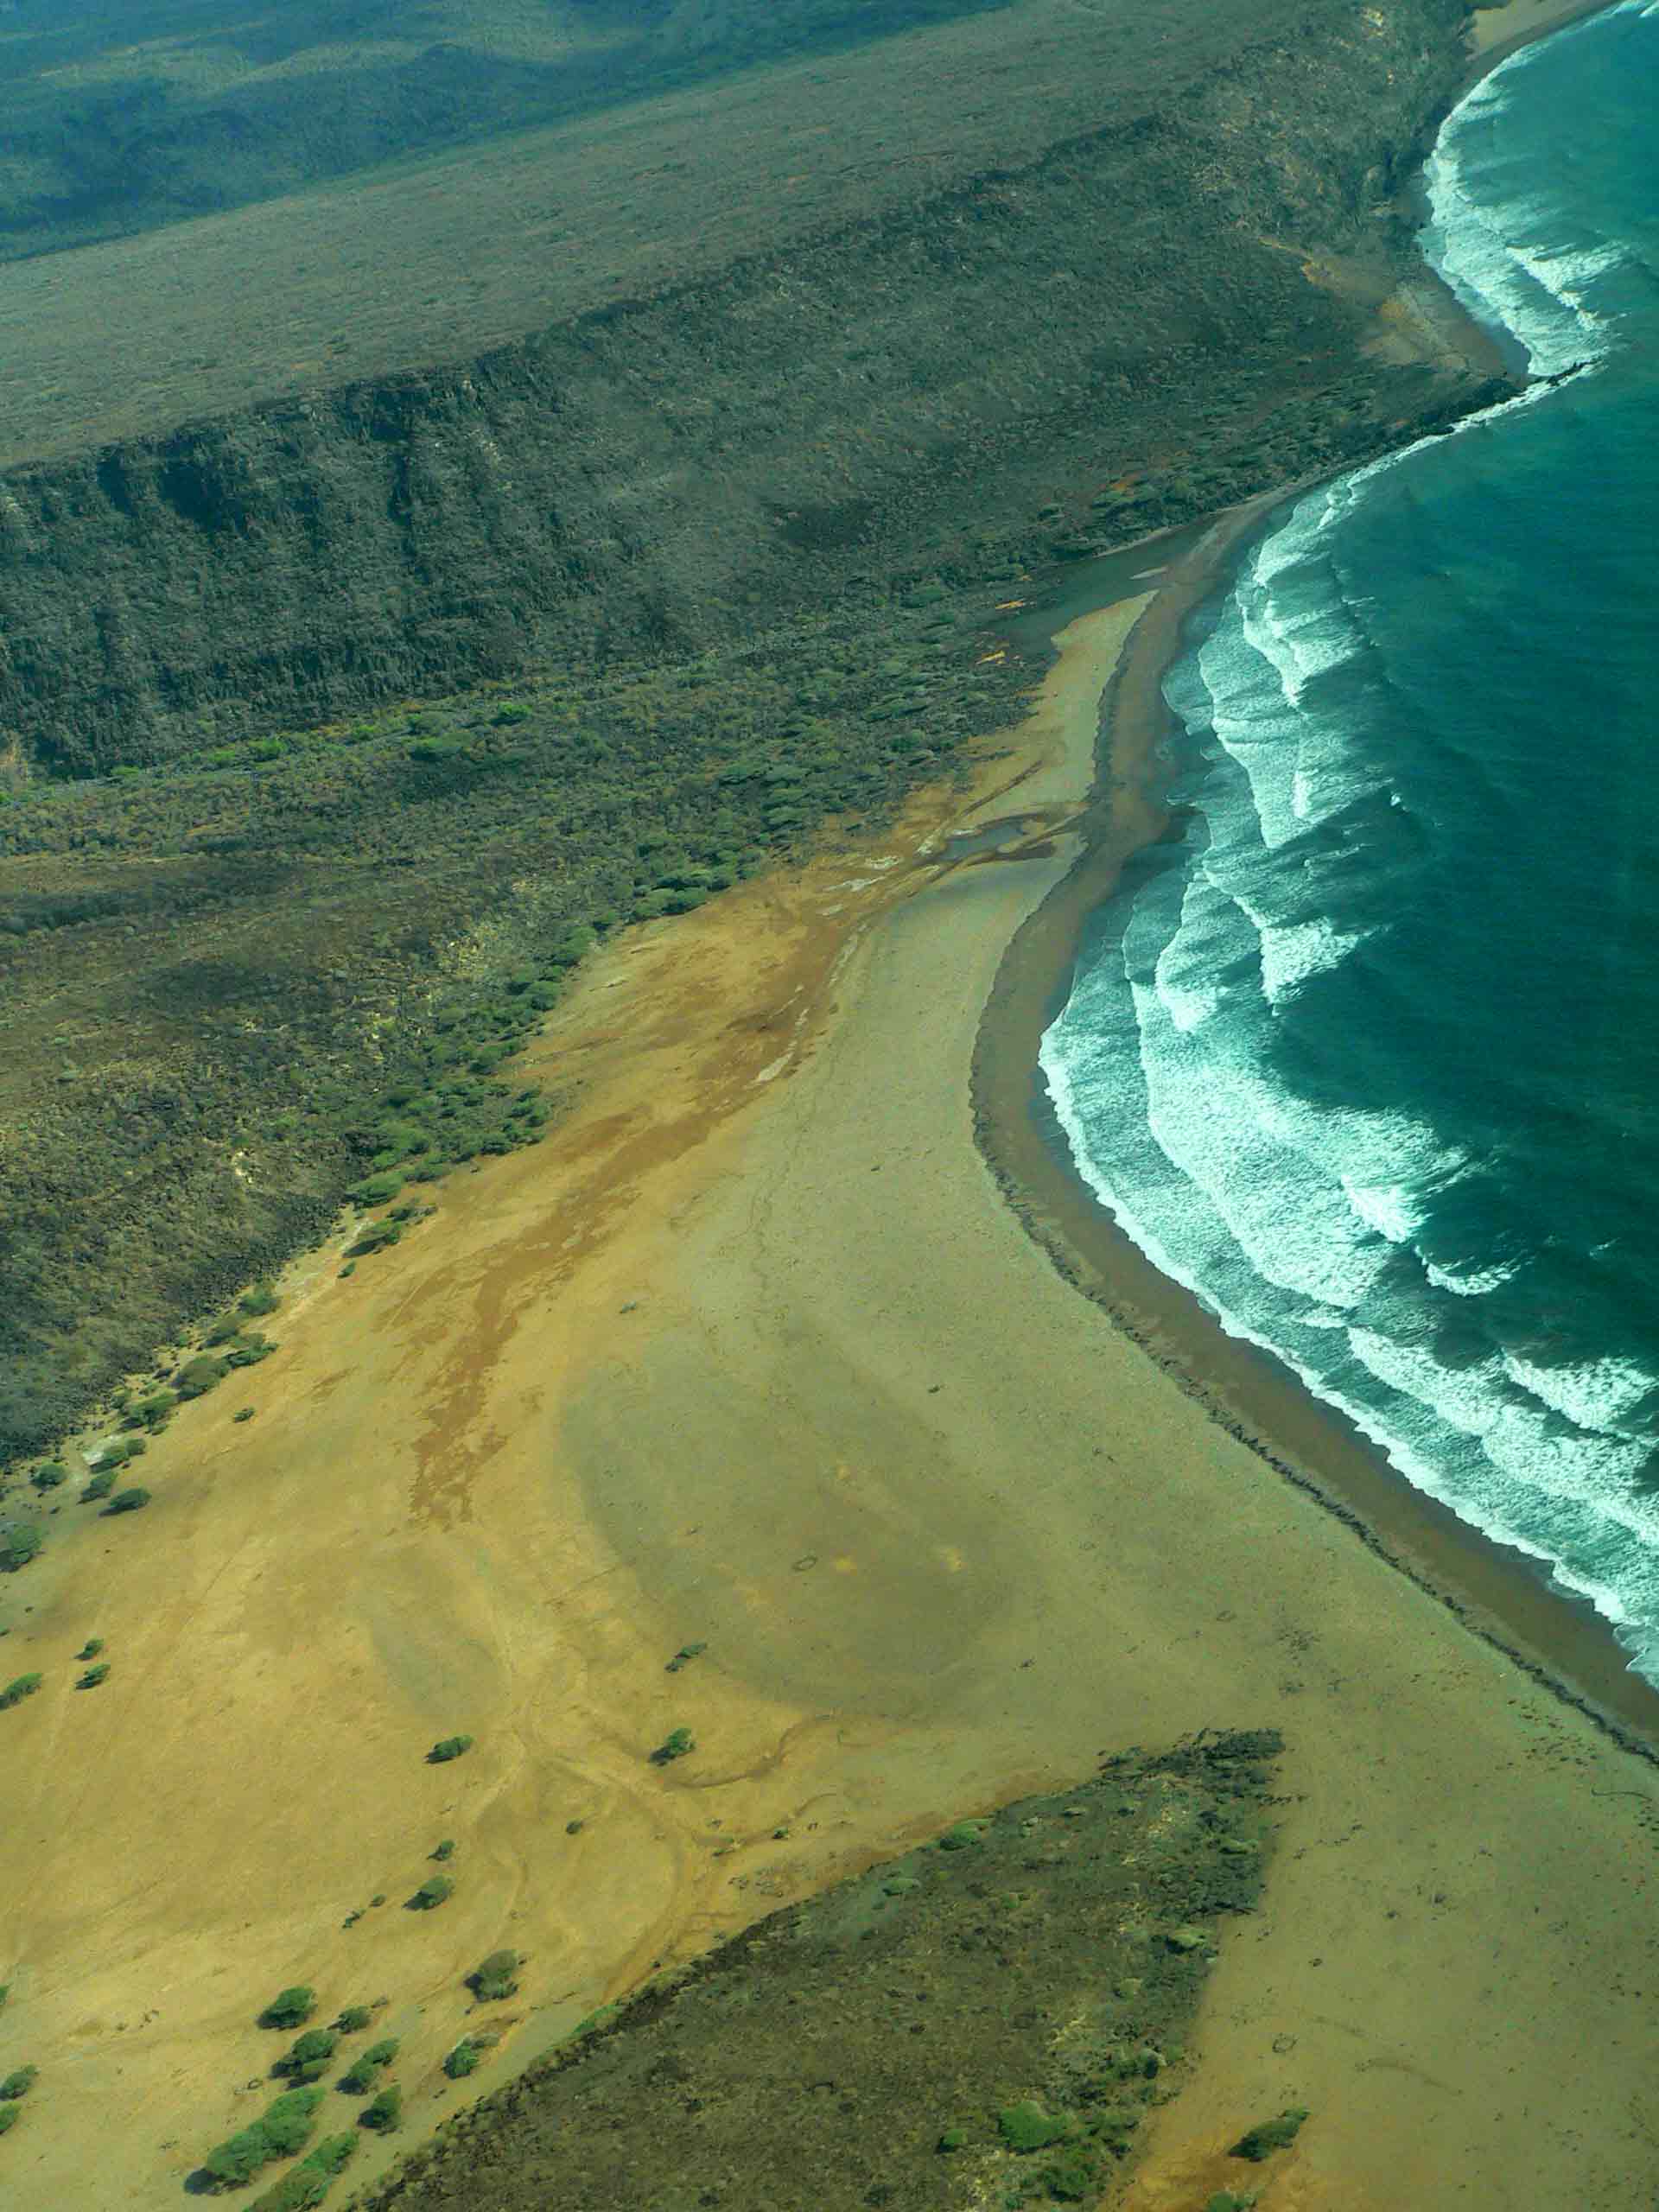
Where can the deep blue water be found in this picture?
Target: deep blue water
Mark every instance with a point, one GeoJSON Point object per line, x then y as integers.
{"type": "Point", "coordinates": [1370, 1059]}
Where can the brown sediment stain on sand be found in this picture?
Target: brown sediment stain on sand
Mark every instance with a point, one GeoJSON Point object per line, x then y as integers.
{"type": "Point", "coordinates": [397, 1549]}
{"type": "Point", "coordinates": [753, 1353]}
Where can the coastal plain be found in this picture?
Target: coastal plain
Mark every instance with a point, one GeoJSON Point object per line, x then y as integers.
{"type": "Point", "coordinates": [753, 1353]}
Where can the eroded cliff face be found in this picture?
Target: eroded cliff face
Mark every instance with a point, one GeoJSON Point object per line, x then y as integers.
{"type": "Point", "coordinates": [883, 399]}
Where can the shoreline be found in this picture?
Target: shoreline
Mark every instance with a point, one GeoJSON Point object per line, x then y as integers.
{"type": "Point", "coordinates": [1495, 1590]}
{"type": "Point", "coordinates": [1492, 1589]}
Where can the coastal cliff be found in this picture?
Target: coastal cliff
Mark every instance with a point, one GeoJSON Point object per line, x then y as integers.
{"type": "Point", "coordinates": [1135, 308]}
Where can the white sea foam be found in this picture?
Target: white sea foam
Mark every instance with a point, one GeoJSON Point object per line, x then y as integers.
{"type": "Point", "coordinates": [1470, 1282]}
{"type": "Point", "coordinates": [1300, 1225]}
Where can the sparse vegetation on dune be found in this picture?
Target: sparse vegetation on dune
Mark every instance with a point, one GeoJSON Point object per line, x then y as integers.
{"type": "Point", "coordinates": [988, 2027]}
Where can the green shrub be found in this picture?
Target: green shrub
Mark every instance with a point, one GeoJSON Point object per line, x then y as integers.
{"type": "Point", "coordinates": [381, 2053]}
{"type": "Point", "coordinates": [674, 1745]}
{"type": "Point", "coordinates": [1026, 2127]}
{"type": "Point", "coordinates": [243, 1412]}
{"type": "Point", "coordinates": [953, 2138]}
{"type": "Point", "coordinates": [9, 2116]}
{"type": "Point", "coordinates": [307, 2184]}
{"type": "Point", "coordinates": [198, 1376]}
{"type": "Point", "coordinates": [495, 1977]}
{"type": "Point", "coordinates": [446, 1849]}
{"type": "Point", "coordinates": [1076, 2176]}
{"type": "Point", "coordinates": [1270, 2135]}
{"type": "Point", "coordinates": [20, 2081]}
{"type": "Point", "coordinates": [90, 1649]}
{"type": "Point", "coordinates": [238, 2158]}
{"type": "Point", "coordinates": [963, 1836]}
{"type": "Point", "coordinates": [290, 2008]}
{"type": "Point", "coordinates": [375, 1190]}
{"type": "Point", "coordinates": [331, 2155]}
{"type": "Point", "coordinates": [94, 1675]}
{"type": "Point", "coordinates": [354, 2020]}
{"type": "Point", "coordinates": [256, 1303]}
{"type": "Point", "coordinates": [48, 1475]}
{"type": "Point", "coordinates": [436, 1890]}
{"type": "Point", "coordinates": [129, 1501]}
{"type": "Point", "coordinates": [250, 1349]}
{"type": "Point", "coordinates": [308, 2061]}
{"type": "Point", "coordinates": [297, 2191]}
{"type": "Point", "coordinates": [155, 1408]}
{"type": "Point", "coordinates": [465, 2058]}
{"type": "Point", "coordinates": [450, 1747]}
{"type": "Point", "coordinates": [683, 1657]}
{"type": "Point", "coordinates": [288, 2123]}
{"type": "Point", "coordinates": [384, 2112]}
{"type": "Point", "coordinates": [15, 1691]}
{"type": "Point", "coordinates": [20, 1541]}
{"type": "Point", "coordinates": [100, 1485]}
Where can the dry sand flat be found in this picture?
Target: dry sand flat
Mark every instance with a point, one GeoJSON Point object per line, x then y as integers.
{"type": "Point", "coordinates": [755, 1352]}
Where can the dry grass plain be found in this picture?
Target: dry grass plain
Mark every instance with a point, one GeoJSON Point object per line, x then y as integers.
{"type": "Point", "coordinates": [438, 259]}
{"type": "Point", "coordinates": [753, 1353]}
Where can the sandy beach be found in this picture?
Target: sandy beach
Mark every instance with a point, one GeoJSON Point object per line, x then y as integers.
{"type": "Point", "coordinates": [755, 1353]}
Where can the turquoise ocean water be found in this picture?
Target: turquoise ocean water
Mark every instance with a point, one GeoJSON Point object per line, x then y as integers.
{"type": "Point", "coordinates": [1370, 1059]}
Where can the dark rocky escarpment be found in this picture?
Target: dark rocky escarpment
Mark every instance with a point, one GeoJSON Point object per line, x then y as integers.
{"type": "Point", "coordinates": [889, 397]}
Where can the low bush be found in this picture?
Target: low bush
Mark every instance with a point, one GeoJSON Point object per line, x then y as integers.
{"type": "Point", "coordinates": [155, 1407]}
{"type": "Point", "coordinates": [384, 2112]}
{"type": "Point", "coordinates": [48, 1475]}
{"type": "Point", "coordinates": [436, 1890]}
{"type": "Point", "coordinates": [375, 1190]}
{"type": "Point", "coordinates": [19, 2082]}
{"type": "Point", "coordinates": [359, 2079]}
{"type": "Point", "coordinates": [257, 1303]}
{"type": "Point", "coordinates": [288, 2123]}
{"type": "Point", "coordinates": [450, 1747]}
{"type": "Point", "coordinates": [290, 2008]}
{"type": "Point", "coordinates": [9, 2116]}
{"type": "Point", "coordinates": [308, 2061]}
{"type": "Point", "coordinates": [94, 1675]}
{"type": "Point", "coordinates": [20, 1541]}
{"type": "Point", "coordinates": [198, 1376]}
{"type": "Point", "coordinates": [446, 1849]}
{"type": "Point", "coordinates": [354, 2020]}
{"type": "Point", "coordinates": [248, 1350]}
{"type": "Point", "coordinates": [307, 2184]}
{"type": "Point", "coordinates": [495, 1977]}
{"type": "Point", "coordinates": [129, 1501]}
{"type": "Point", "coordinates": [100, 1486]}
{"type": "Point", "coordinates": [674, 1745]}
{"type": "Point", "coordinates": [16, 1690]}
{"type": "Point", "coordinates": [1270, 2135]}
{"type": "Point", "coordinates": [465, 2058]}
{"type": "Point", "coordinates": [90, 1649]}
{"type": "Point", "coordinates": [1026, 2127]}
